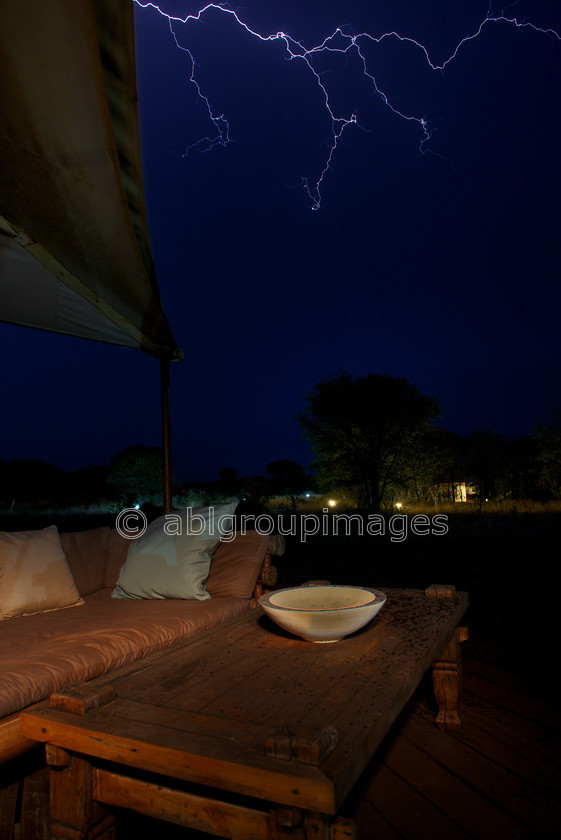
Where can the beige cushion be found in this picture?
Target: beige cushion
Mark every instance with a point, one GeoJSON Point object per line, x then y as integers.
{"type": "Point", "coordinates": [86, 553]}
{"type": "Point", "coordinates": [236, 564]}
{"type": "Point", "coordinates": [44, 653]}
{"type": "Point", "coordinates": [34, 574]}
{"type": "Point", "coordinates": [172, 559]}
{"type": "Point", "coordinates": [117, 549]}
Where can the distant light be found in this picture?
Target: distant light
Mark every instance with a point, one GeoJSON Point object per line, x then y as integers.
{"type": "Point", "coordinates": [308, 495]}
{"type": "Point", "coordinates": [332, 503]}
{"type": "Point", "coordinates": [137, 507]}
{"type": "Point", "coordinates": [398, 505]}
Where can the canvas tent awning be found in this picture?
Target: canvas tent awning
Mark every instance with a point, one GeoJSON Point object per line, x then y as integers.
{"type": "Point", "coordinates": [74, 247]}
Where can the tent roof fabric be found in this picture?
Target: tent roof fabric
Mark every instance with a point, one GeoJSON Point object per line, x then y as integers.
{"type": "Point", "coordinates": [74, 245]}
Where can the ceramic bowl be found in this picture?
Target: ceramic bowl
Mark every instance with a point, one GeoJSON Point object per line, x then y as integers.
{"type": "Point", "coordinates": [323, 613]}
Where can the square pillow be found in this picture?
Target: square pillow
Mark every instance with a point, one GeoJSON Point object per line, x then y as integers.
{"type": "Point", "coordinates": [34, 574]}
{"type": "Point", "coordinates": [236, 564]}
{"type": "Point", "coordinates": [117, 550]}
{"type": "Point", "coordinates": [86, 554]}
{"type": "Point", "coordinates": [172, 558]}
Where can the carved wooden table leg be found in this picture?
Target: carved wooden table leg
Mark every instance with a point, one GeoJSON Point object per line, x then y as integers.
{"type": "Point", "coordinates": [294, 824]}
{"type": "Point", "coordinates": [343, 829]}
{"type": "Point", "coordinates": [447, 681]}
{"type": "Point", "coordinates": [74, 814]}
{"type": "Point", "coordinates": [287, 824]}
{"type": "Point", "coordinates": [447, 668]}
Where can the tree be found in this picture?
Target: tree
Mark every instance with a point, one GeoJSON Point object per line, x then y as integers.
{"type": "Point", "coordinates": [29, 481]}
{"type": "Point", "coordinates": [548, 439]}
{"type": "Point", "coordinates": [229, 480]}
{"type": "Point", "coordinates": [288, 478]}
{"type": "Point", "coordinates": [364, 431]}
{"type": "Point", "coordinates": [86, 485]}
{"type": "Point", "coordinates": [436, 465]}
{"type": "Point", "coordinates": [255, 493]}
{"type": "Point", "coordinates": [487, 457]}
{"type": "Point", "coordinates": [136, 473]}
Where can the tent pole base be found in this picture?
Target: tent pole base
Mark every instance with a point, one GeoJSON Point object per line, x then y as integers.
{"type": "Point", "coordinates": [166, 435]}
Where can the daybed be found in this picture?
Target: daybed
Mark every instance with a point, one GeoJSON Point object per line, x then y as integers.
{"type": "Point", "coordinates": [42, 652]}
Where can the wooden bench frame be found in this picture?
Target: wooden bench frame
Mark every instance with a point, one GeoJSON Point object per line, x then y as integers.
{"type": "Point", "coordinates": [20, 785]}
{"type": "Point", "coordinates": [14, 744]}
{"type": "Point", "coordinates": [81, 787]}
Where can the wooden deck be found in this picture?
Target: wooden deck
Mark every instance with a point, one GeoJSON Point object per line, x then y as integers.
{"type": "Point", "coordinates": [496, 777]}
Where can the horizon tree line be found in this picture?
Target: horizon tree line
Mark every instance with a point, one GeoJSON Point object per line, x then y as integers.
{"type": "Point", "coordinates": [374, 441]}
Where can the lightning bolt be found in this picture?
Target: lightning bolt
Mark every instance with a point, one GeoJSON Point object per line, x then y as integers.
{"type": "Point", "coordinates": [341, 42]}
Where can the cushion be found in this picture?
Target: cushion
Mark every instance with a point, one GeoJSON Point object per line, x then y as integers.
{"type": "Point", "coordinates": [86, 553]}
{"type": "Point", "coordinates": [116, 557]}
{"type": "Point", "coordinates": [40, 654]}
{"type": "Point", "coordinates": [34, 574]}
{"type": "Point", "coordinates": [172, 558]}
{"type": "Point", "coordinates": [236, 564]}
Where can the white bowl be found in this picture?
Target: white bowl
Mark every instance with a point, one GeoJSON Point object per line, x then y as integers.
{"type": "Point", "coordinates": [323, 613]}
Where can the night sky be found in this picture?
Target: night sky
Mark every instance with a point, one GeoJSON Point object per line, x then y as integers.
{"type": "Point", "coordinates": [441, 267]}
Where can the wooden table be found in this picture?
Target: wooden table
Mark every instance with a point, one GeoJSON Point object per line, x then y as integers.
{"type": "Point", "coordinates": [246, 710]}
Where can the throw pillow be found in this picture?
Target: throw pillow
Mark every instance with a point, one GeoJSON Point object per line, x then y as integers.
{"type": "Point", "coordinates": [172, 558]}
{"type": "Point", "coordinates": [34, 574]}
{"type": "Point", "coordinates": [86, 553]}
{"type": "Point", "coordinates": [236, 564]}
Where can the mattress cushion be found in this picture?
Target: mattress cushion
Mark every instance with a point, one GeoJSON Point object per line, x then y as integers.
{"type": "Point", "coordinates": [40, 654]}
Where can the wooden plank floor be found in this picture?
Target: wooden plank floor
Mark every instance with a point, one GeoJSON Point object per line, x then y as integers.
{"type": "Point", "coordinates": [496, 777]}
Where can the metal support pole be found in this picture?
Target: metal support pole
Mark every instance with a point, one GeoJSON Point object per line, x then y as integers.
{"type": "Point", "coordinates": [166, 435]}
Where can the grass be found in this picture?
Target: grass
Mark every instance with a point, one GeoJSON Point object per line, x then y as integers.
{"type": "Point", "coordinates": [504, 507]}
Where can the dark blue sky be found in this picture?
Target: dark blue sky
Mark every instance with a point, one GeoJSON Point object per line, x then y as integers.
{"type": "Point", "coordinates": [440, 267]}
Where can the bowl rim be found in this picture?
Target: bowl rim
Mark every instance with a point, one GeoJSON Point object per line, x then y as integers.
{"type": "Point", "coordinates": [379, 598]}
